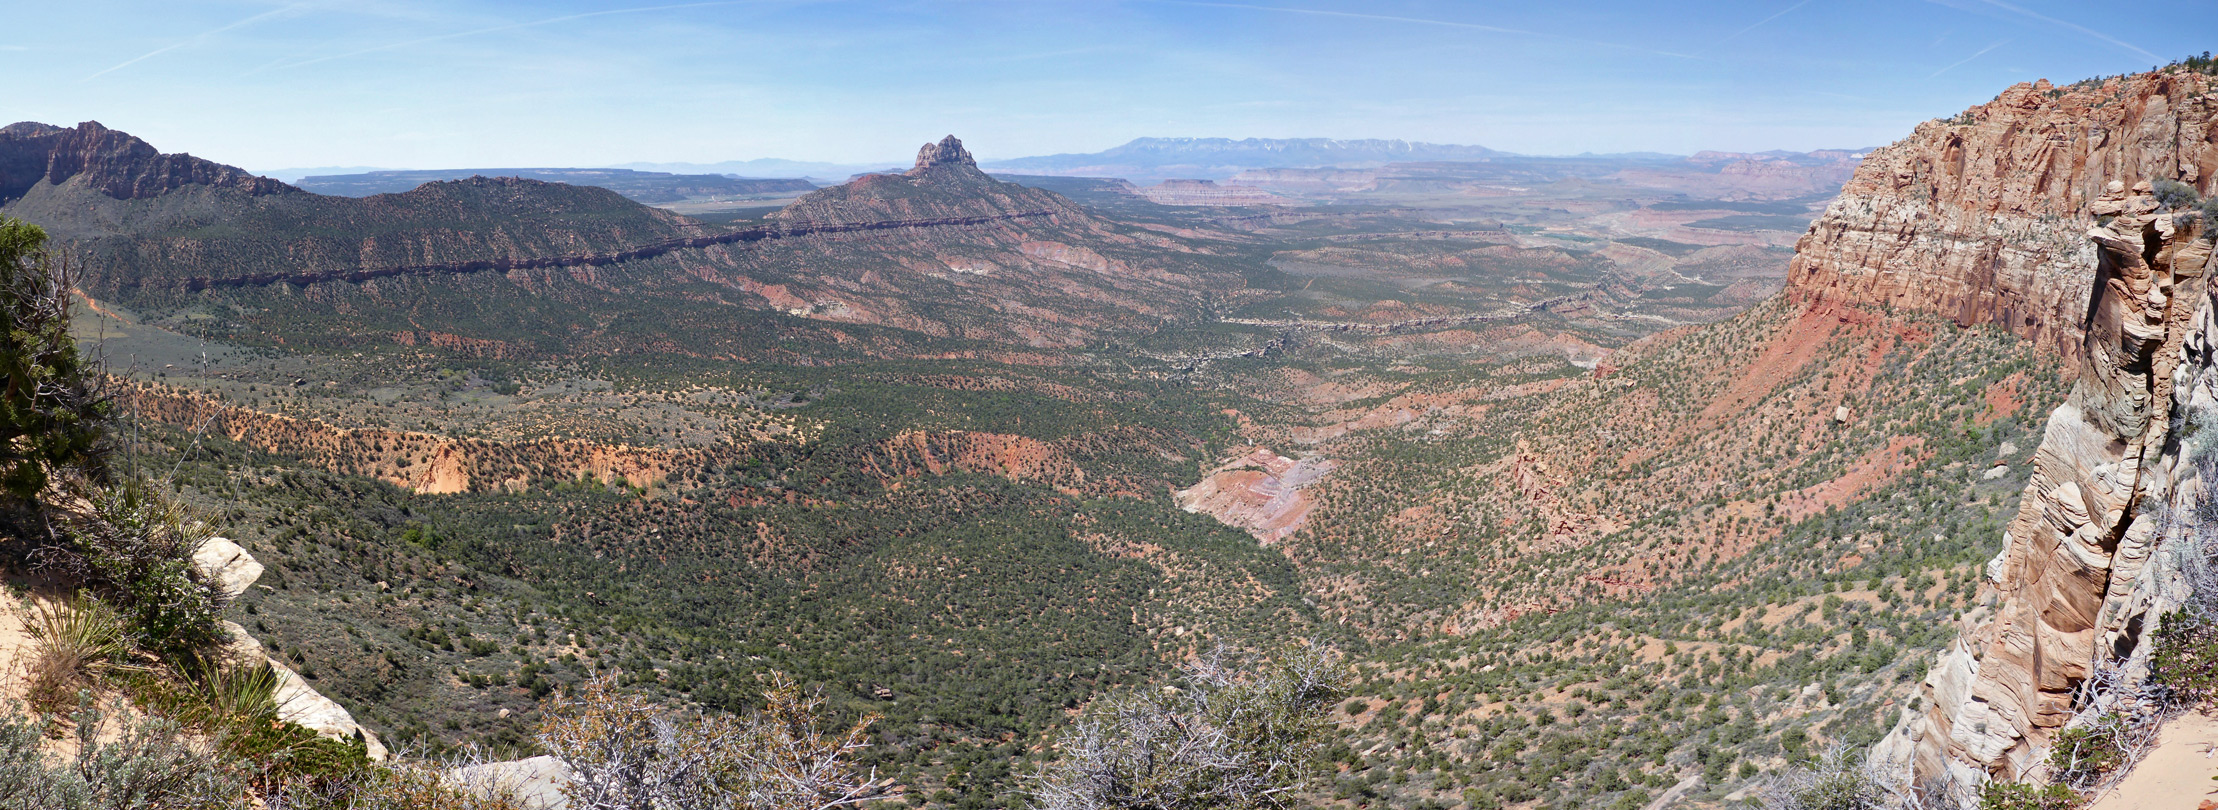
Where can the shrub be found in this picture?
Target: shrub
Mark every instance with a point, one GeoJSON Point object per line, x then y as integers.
{"type": "Point", "coordinates": [412, 785]}
{"type": "Point", "coordinates": [2083, 755]}
{"type": "Point", "coordinates": [2184, 660]}
{"type": "Point", "coordinates": [52, 411]}
{"type": "Point", "coordinates": [2174, 194]}
{"type": "Point", "coordinates": [135, 546]}
{"type": "Point", "coordinates": [625, 753]}
{"type": "Point", "coordinates": [2021, 796]}
{"type": "Point", "coordinates": [147, 764]}
{"type": "Point", "coordinates": [236, 708]}
{"type": "Point", "coordinates": [1836, 781]}
{"type": "Point", "coordinates": [1225, 739]}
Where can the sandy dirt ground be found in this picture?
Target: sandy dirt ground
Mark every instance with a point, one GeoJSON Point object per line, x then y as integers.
{"type": "Point", "coordinates": [2175, 776]}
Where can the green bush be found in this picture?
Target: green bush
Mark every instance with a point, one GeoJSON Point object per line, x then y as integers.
{"type": "Point", "coordinates": [52, 413]}
{"type": "Point", "coordinates": [235, 707]}
{"type": "Point", "coordinates": [2185, 658]}
{"type": "Point", "coordinates": [2083, 755]}
{"type": "Point", "coordinates": [2175, 195]}
{"type": "Point", "coordinates": [2021, 796]}
{"type": "Point", "coordinates": [135, 547]}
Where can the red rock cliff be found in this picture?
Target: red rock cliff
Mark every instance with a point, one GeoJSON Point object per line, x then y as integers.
{"type": "Point", "coordinates": [112, 162]}
{"type": "Point", "coordinates": [1979, 218]}
{"type": "Point", "coordinates": [2035, 212]}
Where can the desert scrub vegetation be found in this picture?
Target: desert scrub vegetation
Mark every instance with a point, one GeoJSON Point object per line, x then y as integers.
{"type": "Point", "coordinates": [67, 513]}
{"type": "Point", "coordinates": [122, 761]}
{"type": "Point", "coordinates": [130, 664]}
{"type": "Point", "coordinates": [626, 753]}
{"type": "Point", "coordinates": [1837, 780]}
{"type": "Point", "coordinates": [134, 546]}
{"type": "Point", "coordinates": [1229, 734]}
{"type": "Point", "coordinates": [2022, 796]}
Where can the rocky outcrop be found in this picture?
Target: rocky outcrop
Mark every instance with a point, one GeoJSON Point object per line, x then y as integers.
{"type": "Point", "coordinates": [2074, 588]}
{"type": "Point", "coordinates": [1979, 218]}
{"type": "Point", "coordinates": [947, 152]}
{"type": "Point", "coordinates": [537, 781]}
{"type": "Point", "coordinates": [116, 164]}
{"type": "Point", "coordinates": [945, 184]}
{"type": "Point", "coordinates": [234, 570]}
{"type": "Point", "coordinates": [1017, 458]}
{"type": "Point", "coordinates": [227, 565]}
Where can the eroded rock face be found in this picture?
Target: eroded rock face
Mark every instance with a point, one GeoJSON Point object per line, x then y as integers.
{"type": "Point", "coordinates": [2070, 591]}
{"type": "Point", "coordinates": [1262, 493]}
{"type": "Point", "coordinates": [118, 165]}
{"type": "Point", "coordinates": [1980, 218]}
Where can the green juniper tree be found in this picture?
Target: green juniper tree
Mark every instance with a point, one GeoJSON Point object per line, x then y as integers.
{"type": "Point", "coordinates": [52, 411]}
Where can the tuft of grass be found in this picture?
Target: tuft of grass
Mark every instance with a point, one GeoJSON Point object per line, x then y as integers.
{"type": "Point", "coordinates": [228, 695]}
{"type": "Point", "coordinates": [75, 639]}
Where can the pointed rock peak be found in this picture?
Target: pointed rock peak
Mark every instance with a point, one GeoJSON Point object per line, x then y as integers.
{"type": "Point", "coordinates": [948, 152]}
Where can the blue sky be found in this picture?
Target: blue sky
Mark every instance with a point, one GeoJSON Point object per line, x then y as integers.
{"type": "Point", "coordinates": [270, 84]}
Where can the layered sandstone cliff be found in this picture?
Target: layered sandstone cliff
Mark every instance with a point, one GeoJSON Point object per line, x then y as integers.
{"type": "Point", "coordinates": [116, 164]}
{"type": "Point", "coordinates": [2035, 212]}
{"type": "Point", "coordinates": [1980, 218]}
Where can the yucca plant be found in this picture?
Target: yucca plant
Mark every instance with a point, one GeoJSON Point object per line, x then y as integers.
{"type": "Point", "coordinates": [226, 695]}
{"type": "Point", "coordinates": [75, 640]}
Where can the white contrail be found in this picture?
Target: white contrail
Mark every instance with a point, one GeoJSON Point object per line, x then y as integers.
{"type": "Point", "coordinates": [506, 27]}
{"type": "Point", "coordinates": [1424, 21]}
{"type": "Point", "coordinates": [1960, 63]}
{"type": "Point", "coordinates": [197, 38]}
{"type": "Point", "coordinates": [1760, 23]}
{"type": "Point", "coordinates": [2022, 11]}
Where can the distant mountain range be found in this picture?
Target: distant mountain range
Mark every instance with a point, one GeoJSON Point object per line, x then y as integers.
{"type": "Point", "coordinates": [1141, 160]}
{"type": "Point", "coordinates": [1147, 159]}
{"type": "Point", "coordinates": [770, 167]}
{"type": "Point", "coordinates": [646, 187]}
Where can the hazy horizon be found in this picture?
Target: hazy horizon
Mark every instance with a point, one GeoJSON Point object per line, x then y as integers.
{"type": "Point", "coordinates": [271, 86]}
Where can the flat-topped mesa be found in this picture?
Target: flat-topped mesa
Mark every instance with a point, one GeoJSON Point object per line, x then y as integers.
{"type": "Point", "coordinates": [1979, 218]}
{"type": "Point", "coordinates": [111, 162]}
{"type": "Point", "coordinates": [948, 151]}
